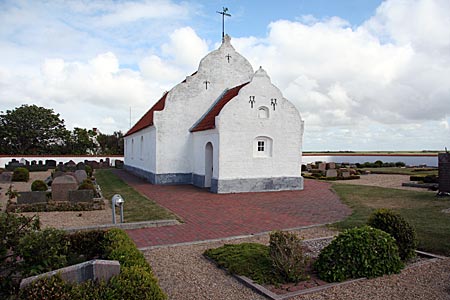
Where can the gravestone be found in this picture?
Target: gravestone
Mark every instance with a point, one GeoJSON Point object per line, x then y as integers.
{"type": "Point", "coordinates": [331, 165]}
{"type": "Point", "coordinates": [60, 167]}
{"type": "Point", "coordinates": [61, 186]}
{"type": "Point", "coordinates": [331, 173]}
{"type": "Point", "coordinates": [118, 164]}
{"type": "Point", "coordinates": [5, 177]}
{"type": "Point", "coordinates": [50, 163]}
{"type": "Point", "coordinates": [444, 173]}
{"type": "Point", "coordinates": [32, 197]}
{"type": "Point", "coordinates": [80, 175]}
{"type": "Point", "coordinates": [81, 166]}
{"type": "Point", "coordinates": [322, 166]}
{"type": "Point", "coordinates": [81, 196]}
{"type": "Point", "coordinates": [58, 173]}
{"type": "Point", "coordinates": [345, 174]}
{"type": "Point", "coordinates": [94, 270]}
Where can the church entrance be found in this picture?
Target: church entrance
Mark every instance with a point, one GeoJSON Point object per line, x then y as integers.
{"type": "Point", "coordinates": [208, 164]}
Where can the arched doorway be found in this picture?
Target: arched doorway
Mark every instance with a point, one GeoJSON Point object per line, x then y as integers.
{"type": "Point", "coordinates": [208, 164]}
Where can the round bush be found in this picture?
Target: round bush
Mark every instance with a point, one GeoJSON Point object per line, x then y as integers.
{"type": "Point", "coordinates": [87, 185]}
{"type": "Point", "coordinates": [359, 252]}
{"type": "Point", "coordinates": [39, 185]}
{"type": "Point", "coordinates": [392, 223]}
{"type": "Point", "coordinates": [21, 174]}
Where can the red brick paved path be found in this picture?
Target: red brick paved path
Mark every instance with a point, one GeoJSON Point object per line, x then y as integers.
{"type": "Point", "coordinates": [211, 216]}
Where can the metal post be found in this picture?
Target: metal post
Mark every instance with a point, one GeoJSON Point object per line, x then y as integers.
{"type": "Point", "coordinates": [113, 211]}
{"type": "Point", "coordinates": [121, 212]}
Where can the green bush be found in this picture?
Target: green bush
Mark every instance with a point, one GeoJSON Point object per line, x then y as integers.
{"type": "Point", "coordinates": [359, 252]}
{"type": "Point", "coordinates": [43, 251]}
{"type": "Point", "coordinates": [51, 288]}
{"type": "Point", "coordinates": [87, 185]}
{"type": "Point", "coordinates": [392, 223]}
{"type": "Point", "coordinates": [287, 254]}
{"type": "Point", "coordinates": [88, 170]}
{"type": "Point", "coordinates": [21, 174]}
{"type": "Point", "coordinates": [39, 185]}
{"type": "Point", "coordinates": [247, 259]}
{"type": "Point", "coordinates": [12, 229]}
{"type": "Point", "coordinates": [85, 245]}
{"type": "Point", "coordinates": [135, 283]}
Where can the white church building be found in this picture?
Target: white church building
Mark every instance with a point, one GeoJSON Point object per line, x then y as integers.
{"type": "Point", "coordinates": [225, 127]}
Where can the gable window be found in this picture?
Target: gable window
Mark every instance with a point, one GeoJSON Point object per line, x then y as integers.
{"type": "Point", "coordinates": [262, 146]}
{"type": "Point", "coordinates": [263, 112]}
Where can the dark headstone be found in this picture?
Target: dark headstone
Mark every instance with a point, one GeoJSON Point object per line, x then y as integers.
{"type": "Point", "coordinates": [81, 196]}
{"type": "Point", "coordinates": [60, 167]}
{"type": "Point", "coordinates": [5, 177]}
{"type": "Point", "coordinates": [80, 166]}
{"type": "Point", "coordinates": [118, 164]}
{"type": "Point", "coordinates": [50, 163]}
{"type": "Point", "coordinates": [444, 173]}
{"type": "Point", "coordinates": [32, 197]}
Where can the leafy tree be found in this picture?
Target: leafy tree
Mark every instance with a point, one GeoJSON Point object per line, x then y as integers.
{"type": "Point", "coordinates": [82, 141]}
{"type": "Point", "coordinates": [31, 129]}
{"type": "Point", "coordinates": [111, 144]}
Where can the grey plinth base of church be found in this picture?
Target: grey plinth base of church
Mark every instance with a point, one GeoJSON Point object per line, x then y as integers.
{"type": "Point", "coordinates": [239, 185]}
{"type": "Point", "coordinates": [225, 128]}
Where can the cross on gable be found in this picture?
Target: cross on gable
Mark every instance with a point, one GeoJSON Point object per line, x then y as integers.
{"type": "Point", "coordinates": [228, 56]}
{"type": "Point", "coordinates": [223, 13]}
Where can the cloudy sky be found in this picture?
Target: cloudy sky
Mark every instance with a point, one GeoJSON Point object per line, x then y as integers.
{"type": "Point", "coordinates": [365, 75]}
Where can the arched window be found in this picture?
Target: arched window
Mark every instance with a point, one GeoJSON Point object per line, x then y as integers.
{"type": "Point", "coordinates": [263, 112]}
{"type": "Point", "coordinates": [142, 148]}
{"type": "Point", "coordinates": [262, 146]}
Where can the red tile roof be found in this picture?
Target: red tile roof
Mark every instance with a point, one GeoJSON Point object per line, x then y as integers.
{"type": "Point", "coordinates": [147, 119]}
{"type": "Point", "coordinates": [208, 120]}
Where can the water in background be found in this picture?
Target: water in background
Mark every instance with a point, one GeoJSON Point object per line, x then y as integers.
{"type": "Point", "coordinates": [431, 161]}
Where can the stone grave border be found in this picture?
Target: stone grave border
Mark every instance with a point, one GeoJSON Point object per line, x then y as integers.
{"type": "Point", "coordinates": [126, 226]}
{"type": "Point", "coordinates": [273, 296]}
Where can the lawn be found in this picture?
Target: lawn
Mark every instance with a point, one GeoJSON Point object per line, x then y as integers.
{"type": "Point", "coordinates": [422, 209]}
{"type": "Point", "coordinates": [137, 207]}
{"type": "Point", "coordinates": [402, 171]}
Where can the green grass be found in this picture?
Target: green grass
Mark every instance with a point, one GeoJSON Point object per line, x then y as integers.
{"type": "Point", "coordinates": [421, 209]}
{"type": "Point", "coordinates": [247, 259]}
{"type": "Point", "coordinates": [137, 207]}
{"type": "Point", "coordinates": [402, 171]}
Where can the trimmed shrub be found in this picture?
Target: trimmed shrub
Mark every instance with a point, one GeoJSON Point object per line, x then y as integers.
{"type": "Point", "coordinates": [135, 283]}
{"type": "Point", "coordinates": [21, 174]}
{"type": "Point", "coordinates": [287, 253]}
{"type": "Point", "coordinates": [359, 252]}
{"type": "Point", "coordinates": [394, 224]}
{"type": "Point", "coordinates": [85, 245]}
{"type": "Point", "coordinates": [50, 288]}
{"type": "Point", "coordinates": [87, 185]}
{"type": "Point", "coordinates": [39, 185]}
{"type": "Point", "coordinates": [88, 170]}
{"type": "Point", "coordinates": [43, 251]}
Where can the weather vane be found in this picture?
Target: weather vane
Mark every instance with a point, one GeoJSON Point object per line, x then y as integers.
{"type": "Point", "coordinates": [224, 13]}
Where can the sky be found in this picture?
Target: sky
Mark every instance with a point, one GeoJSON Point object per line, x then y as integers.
{"type": "Point", "coordinates": [365, 75]}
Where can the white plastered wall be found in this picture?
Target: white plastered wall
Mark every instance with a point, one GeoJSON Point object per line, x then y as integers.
{"type": "Point", "coordinates": [189, 100]}
{"type": "Point", "coordinates": [145, 159]}
{"type": "Point", "coordinates": [200, 139]}
{"type": "Point", "coordinates": [239, 125]}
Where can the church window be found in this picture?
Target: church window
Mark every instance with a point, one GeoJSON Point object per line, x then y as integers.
{"type": "Point", "coordinates": [262, 146]}
{"type": "Point", "coordinates": [263, 112]}
{"type": "Point", "coordinates": [142, 148]}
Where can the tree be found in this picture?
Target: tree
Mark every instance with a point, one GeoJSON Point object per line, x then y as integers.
{"type": "Point", "coordinates": [30, 129]}
{"type": "Point", "coordinates": [82, 141]}
{"type": "Point", "coordinates": [111, 144]}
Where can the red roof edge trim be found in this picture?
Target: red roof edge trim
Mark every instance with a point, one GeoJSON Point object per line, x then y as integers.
{"type": "Point", "coordinates": [208, 121]}
{"type": "Point", "coordinates": [147, 119]}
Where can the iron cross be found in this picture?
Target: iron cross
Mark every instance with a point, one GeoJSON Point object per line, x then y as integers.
{"type": "Point", "coordinates": [273, 102]}
{"type": "Point", "coordinates": [206, 82]}
{"type": "Point", "coordinates": [228, 56]}
{"type": "Point", "coordinates": [223, 13]}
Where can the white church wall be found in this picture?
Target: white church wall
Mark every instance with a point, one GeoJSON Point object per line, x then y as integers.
{"type": "Point", "coordinates": [200, 140]}
{"type": "Point", "coordinates": [241, 127]}
{"type": "Point", "coordinates": [140, 150]}
{"type": "Point", "coordinates": [188, 101]}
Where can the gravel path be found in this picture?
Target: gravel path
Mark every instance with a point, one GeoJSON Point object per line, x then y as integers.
{"type": "Point", "coordinates": [184, 274]}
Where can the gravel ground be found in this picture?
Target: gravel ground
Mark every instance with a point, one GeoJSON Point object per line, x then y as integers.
{"type": "Point", "coordinates": [185, 274]}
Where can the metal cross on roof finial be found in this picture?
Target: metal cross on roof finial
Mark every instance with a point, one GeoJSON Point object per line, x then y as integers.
{"type": "Point", "coordinates": [223, 13]}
